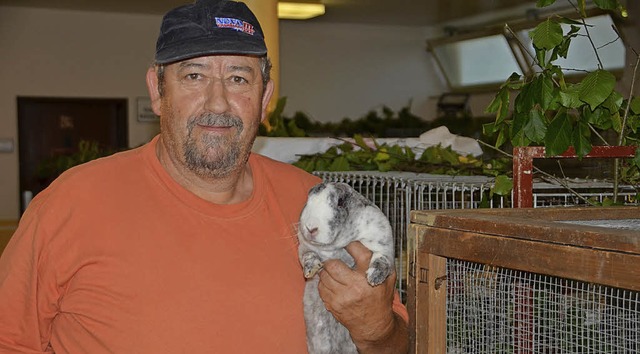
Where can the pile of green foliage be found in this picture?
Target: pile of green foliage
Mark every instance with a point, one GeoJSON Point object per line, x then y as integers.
{"type": "Point", "coordinates": [386, 123]}
{"type": "Point", "coordinates": [360, 156]}
{"type": "Point", "coordinates": [356, 155]}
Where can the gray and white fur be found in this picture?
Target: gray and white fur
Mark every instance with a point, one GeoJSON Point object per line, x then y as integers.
{"type": "Point", "coordinates": [335, 215]}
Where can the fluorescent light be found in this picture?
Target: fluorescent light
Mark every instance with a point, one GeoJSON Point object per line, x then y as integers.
{"type": "Point", "coordinates": [299, 11]}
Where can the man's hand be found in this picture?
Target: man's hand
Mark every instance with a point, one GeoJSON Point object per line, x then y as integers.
{"type": "Point", "coordinates": [365, 310]}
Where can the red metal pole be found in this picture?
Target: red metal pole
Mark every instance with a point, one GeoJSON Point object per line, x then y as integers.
{"type": "Point", "coordinates": [523, 166]}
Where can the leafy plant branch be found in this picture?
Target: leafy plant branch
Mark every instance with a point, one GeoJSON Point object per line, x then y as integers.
{"type": "Point", "coordinates": [552, 111]}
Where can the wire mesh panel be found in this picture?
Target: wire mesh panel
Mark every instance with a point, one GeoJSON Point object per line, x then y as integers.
{"type": "Point", "coordinates": [391, 194]}
{"type": "Point", "coordinates": [525, 280]}
{"type": "Point", "coordinates": [397, 193]}
{"type": "Point", "coordinates": [499, 310]}
{"type": "Point", "coordinates": [547, 194]}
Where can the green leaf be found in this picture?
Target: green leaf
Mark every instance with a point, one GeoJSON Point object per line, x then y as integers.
{"type": "Point", "coordinates": [616, 122]}
{"type": "Point", "coordinates": [361, 143]}
{"type": "Point", "coordinates": [547, 35]}
{"type": "Point", "coordinates": [384, 166]}
{"type": "Point", "coordinates": [527, 97]}
{"type": "Point", "coordinates": [375, 143]}
{"type": "Point", "coordinates": [580, 139]}
{"type": "Point", "coordinates": [545, 87]}
{"type": "Point", "coordinates": [556, 71]}
{"type": "Point", "coordinates": [559, 133]}
{"type": "Point", "coordinates": [562, 50]}
{"type": "Point", "coordinates": [503, 185]}
{"type": "Point", "coordinates": [614, 102]}
{"type": "Point", "coordinates": [536, 129]}
{"type": "Point", "coordinates": [381, 156]}
{"type": "Point", "coordinates": [307, 163]}
{"type": "Point", "coordinates": [345, 148]}
{"type": "Point", "coordinates": [294, 130]}
{"type": "Point", "coordinates": [518, 137]}
{"type": "Point", "coordinates": [596, 87]}
{"type": "Point", "coordinates": [633, 122]}
{"type": "Point", "coordinates": [484, 201]}
{"type": "Point", "coordinates": [340, 164]}
{"type": "Point", "coordinates": [489, 129]}
{"type": "Point", "coordinates": [322, 165]}
{"type": "Point", "coordinates": [607, 202]}
{"type": "Point", "coordinates": [635, 105]}
{"type": "Point", "coordinates": [570, 97]}
{"type": "Point", "coordinates": [409, 153]}
{"type": "Point", "coordinates": [600, 118]}
{"type": "Point", "coordinates": [514, 82]}
{"type": "Point", "coordinates": [431, 155]}
{"type": "Point", "coordinates": [502, 138]}
{"type": "Point", "coordinates": [636, 158]}
{"type": "Point", "coordinates": [541, 57]}
{"type": "Point", "coordinates": [500, 105]}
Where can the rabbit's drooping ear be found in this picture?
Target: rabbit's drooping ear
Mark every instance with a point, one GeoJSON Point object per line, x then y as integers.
{"type": "Point", "coordinates": [317, 188]}
{"type": "Point", "coordinates": [350, 197]}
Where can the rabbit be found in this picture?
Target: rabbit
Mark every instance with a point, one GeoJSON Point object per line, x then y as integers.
{"type": "Point", "coordinates": [335, 215]}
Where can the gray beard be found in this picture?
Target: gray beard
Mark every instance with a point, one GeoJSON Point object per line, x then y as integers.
{"type": "Point", "coordinates": [218, 156]}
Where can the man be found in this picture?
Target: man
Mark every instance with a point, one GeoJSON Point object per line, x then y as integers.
{"type": "Point", "coordinates": [187, 244]}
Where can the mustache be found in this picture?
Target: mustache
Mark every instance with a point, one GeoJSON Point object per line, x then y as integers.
{"type": "Point", "coordinates": [217, 120]}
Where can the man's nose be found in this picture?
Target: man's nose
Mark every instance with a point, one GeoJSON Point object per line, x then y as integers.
{"type": "Point", "coordinates": [217, 100]}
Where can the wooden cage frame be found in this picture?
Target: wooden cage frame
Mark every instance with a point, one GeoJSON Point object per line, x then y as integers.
{"type": "Point", "coordinates": [525, 239]}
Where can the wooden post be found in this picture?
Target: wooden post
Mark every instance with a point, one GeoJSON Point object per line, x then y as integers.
{"type": "Point", "coordinates": [426, 298]}
{"type": "Point", "coordinates": [435, 295]}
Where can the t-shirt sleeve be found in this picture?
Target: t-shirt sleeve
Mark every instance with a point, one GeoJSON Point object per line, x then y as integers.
{"type": "Point", "coordinates": [27, 291]}
{"type": "Point", "coordinates": [399, 308]}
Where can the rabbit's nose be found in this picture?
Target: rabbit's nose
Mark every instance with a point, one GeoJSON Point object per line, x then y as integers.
{"type": "Point", "coordinates": [312, 231]}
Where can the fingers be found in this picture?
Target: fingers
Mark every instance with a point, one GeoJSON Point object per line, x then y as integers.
{"type": "Point", "coordinates": [337, 273]}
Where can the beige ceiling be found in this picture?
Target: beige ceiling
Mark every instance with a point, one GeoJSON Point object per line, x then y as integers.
{"type": "Point", "coordinates": [381, 12]}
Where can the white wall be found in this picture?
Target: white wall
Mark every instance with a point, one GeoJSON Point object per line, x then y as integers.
{"type": "Point", "coordinates": [327, 71]}
{"type": "Point", "coordinates": [341, 70]}
{"type": "Point", "coordinates": [56, 53]}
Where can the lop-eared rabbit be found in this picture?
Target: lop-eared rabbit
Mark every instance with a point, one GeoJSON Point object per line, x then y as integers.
{"type": "Point", "coordinates": [335, 215]}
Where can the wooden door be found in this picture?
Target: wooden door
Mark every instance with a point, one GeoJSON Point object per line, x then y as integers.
{"type": "Point", "coordinates": [50, 128]}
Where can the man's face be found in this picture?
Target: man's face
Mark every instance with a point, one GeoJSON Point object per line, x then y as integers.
{"type": "Point", "coordinates": [210, 112]}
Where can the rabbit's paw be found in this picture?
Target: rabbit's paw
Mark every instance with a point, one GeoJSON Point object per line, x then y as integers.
{"type": "Point", "coordinates": [311, 264]}
{"type": "Point", "coordinates": [379, 269]}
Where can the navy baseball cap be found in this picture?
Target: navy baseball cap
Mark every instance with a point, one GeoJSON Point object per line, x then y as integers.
{"type": "Point", "coordinates": [209, 27]}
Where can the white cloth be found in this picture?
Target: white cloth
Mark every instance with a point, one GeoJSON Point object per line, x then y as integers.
{"type": "Point", "coordinates": [289, 149]}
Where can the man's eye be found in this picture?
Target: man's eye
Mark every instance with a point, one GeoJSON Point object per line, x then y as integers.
{"type": "Point", "coordinates": [193, 76]}
{"type": "Point", "coordinates": [239, 80]}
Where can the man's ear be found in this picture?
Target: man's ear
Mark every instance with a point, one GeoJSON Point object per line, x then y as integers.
{"type": "Point", "coordinates": [266, 97]}
{"type": "Point", "coordinates": [153, 88]}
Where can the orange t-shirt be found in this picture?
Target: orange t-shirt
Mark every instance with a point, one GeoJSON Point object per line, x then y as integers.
{"type": "Point", "coordinates": [116, 257]}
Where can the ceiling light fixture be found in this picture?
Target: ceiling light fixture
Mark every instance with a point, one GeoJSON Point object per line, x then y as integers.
{"type": "Point", "coordinates": [299, 11]}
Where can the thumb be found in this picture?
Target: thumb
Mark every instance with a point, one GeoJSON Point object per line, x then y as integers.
{"type": "Point", "coordinates": [360, 254]}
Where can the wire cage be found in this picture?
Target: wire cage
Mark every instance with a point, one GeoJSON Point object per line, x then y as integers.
{"type": "Point", "coordinates": [526, 281]}
{"type": "Point", "coordinates": [499, 310]}
{"type": "Point", "coordinates": [397, 193]}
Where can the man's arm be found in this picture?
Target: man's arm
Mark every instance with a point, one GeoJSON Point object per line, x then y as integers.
{"type": "Point", "coordinates": [366, 311]}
